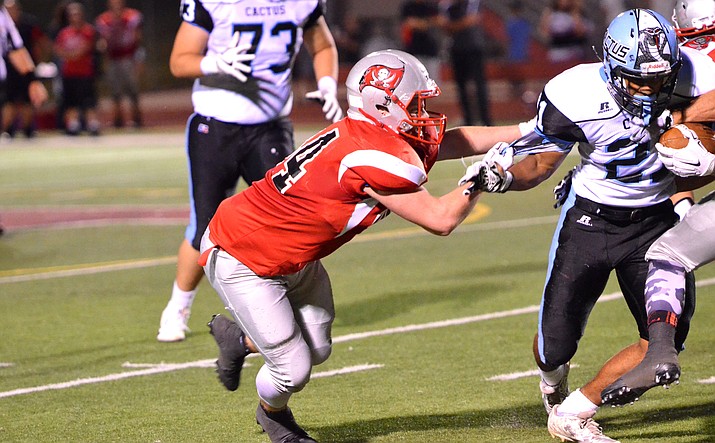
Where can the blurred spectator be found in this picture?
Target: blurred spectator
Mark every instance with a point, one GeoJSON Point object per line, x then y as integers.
{"type": "Point", "coordinates": [120, 32]}
{"type": "Point", "coordinates": [75, 46]}
{"type": "Point", "coordinates": [462, 22]}
{"type": "Point", "coordinates": [59, 21]}
{"type": "Point", "coordinates": [378, 35]}
{"type": "Point", "coordinates": [349, 39]}
{"type": "Point", "coordinates": [610, 9]}
{"type": "Point", "coordinates": [566, 30]}
{"type": "Point", "coordinates": [518, 31]}
{"type": "Point", "coordinates": [420, 33]}
{"type": "Point", "coordinates": [18, 112]}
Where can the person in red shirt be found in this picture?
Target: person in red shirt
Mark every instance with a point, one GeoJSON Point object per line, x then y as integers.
{"type": "Point", "coordinates": [75, 45]}
{"type": "Point", "coordinates": [261, 251]}
{"type": "Point", "coordinates": [120, 31]}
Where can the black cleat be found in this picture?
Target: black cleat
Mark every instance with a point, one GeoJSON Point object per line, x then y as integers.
{"type": "Point", "coordinates": [232, 350]}
{"type": "Point", "coordinates": [659, 368]}
{"type": "Point", "coordinates": [281, 426]}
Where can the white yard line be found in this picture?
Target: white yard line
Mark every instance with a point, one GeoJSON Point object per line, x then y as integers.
{"type": "Point", "coordinates": [518, 375]}
{"type": "Point", "coordinates": [151, 369]}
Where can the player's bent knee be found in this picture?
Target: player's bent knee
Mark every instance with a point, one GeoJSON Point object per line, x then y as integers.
{"type": "Point", "coordinates": [320, 355]}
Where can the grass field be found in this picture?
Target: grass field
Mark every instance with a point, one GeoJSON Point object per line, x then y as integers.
{"type": "Point", "coordinates": [432, 335]}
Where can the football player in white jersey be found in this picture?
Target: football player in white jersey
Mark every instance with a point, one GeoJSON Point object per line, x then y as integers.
{"type": "Point", "coordinates": [241, 54]}
{"type": "Point", "coordinates": [618, 205]}
{"type": "Point", "coordinates": [688, 245]}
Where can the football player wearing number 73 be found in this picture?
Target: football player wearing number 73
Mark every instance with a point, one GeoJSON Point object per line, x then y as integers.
{"type": "Point", "coordinates": [241, 55]}
{"type": "Point", "coordinates": [262, 249]}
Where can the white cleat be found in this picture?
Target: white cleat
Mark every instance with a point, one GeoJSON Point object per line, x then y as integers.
{"type": "Point", "coordinates": [556, 394]}
{"type": "Point", "coordinates": [576, 428]}
{"type": "Point", "coordinates": [174, 324]}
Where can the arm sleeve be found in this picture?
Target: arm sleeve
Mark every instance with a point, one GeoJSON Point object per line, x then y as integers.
{"type": "Point", "coordinates": [381, 171]}
{"type": "Point", "coordinates": [193, 11]}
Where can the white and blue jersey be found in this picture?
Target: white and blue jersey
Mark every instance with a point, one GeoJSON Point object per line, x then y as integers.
{"type": "Point", "coordinates": [274, 28]}
{"type": "Point", "coordinates": [576, 107]}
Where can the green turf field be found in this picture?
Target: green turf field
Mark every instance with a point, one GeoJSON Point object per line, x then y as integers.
{"type": "Point", "coordinates": [432, 335]}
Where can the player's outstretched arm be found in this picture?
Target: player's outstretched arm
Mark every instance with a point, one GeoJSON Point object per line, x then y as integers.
{"type": "Point", "coordinates": [465, 141]}
{"type": "Point", "coordinates": [438, 215]}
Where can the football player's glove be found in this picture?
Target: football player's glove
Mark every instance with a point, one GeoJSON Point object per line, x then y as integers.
{"type": "Point", "coordinates": [327, 95]}
{"type": "Point", "coordinates": [501, 154]}
{"type": "Point", "coordinates": [486, 175]}
{"type": "Point", "coordinates": [692, 160]}
{"type": "Point", "coordinates": [562, 189]}
{"type": "Point", "coordinates": [233, 61]}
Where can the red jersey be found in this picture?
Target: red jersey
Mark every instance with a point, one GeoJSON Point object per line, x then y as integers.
{"type": "Point", "coordinates": [314, 201]}
{"type": "Point", "coordinates": [121, 32]}
{"type": "Point", "coordinates": [78, 43]}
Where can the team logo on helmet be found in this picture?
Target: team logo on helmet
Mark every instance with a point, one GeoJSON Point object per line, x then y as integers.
{"type": "Point", "coordinates": [382, 77]}
{"type": "Point", "coordinates": [652, 46]}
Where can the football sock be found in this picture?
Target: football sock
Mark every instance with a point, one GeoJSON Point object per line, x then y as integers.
{"type": "Point", "coordinates": [665, 287]}
{"type": "Point", "coordinates": [552, 378]}
{"type": "Point", "coordinates": [182, 299]}
{"type": "Point", "coordinates": [577, 403]}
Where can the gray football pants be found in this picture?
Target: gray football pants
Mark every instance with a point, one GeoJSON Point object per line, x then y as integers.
{"type": "Point", "coordinates": [692, 241]}
{"type": "Point", "coordinates": [288, 318]}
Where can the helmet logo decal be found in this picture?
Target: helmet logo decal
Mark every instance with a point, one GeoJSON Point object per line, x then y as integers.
{"type": "Point", "coordinates": [651, 48]}
{"type": "Point", "coordinates": [382, 77]}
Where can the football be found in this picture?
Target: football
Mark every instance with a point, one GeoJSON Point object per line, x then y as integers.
{"type": "Point", "coordinates": [674, 138]}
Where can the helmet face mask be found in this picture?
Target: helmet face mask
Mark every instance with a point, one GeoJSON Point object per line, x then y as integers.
{"type": "Point", "coordinates": [640, 47]}
{"type": "Point", "coordinates": [693, 18]}
{"type": "Point", "coordinates": [391, 88]}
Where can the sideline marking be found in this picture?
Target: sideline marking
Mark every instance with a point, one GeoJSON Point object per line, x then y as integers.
{"type": "Point", "coordinates": [6, 365]}
{"type": "Point", "coordinates": [707, 381]}
{"type": "Point", "coordinates": [164, 367]}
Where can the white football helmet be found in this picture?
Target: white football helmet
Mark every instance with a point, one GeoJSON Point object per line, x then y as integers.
{"type": "Point", "coordinates": [640, 45]}
{"type": "Point", "coordinates": [390, 88]}
{"type": "Point", "coordinates": [694, 17]}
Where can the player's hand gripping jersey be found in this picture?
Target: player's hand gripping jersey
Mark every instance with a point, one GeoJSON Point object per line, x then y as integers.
{"type": "Point", "coordinates": [275, 32]}
{"type": "Point", "coordinates": [314, 201]}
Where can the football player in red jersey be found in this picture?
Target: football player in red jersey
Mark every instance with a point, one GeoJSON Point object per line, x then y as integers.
{"type": "Point", "coordinates": [262, 249]}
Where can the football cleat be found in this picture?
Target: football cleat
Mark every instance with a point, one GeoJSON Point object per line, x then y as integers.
{"type": "Point", "coordinates": [232, 350]}
{"type": "Point", "coordinates": [553, 395]}
{"type": "Point", "coordinates": [174, 324]}
{"type": "Point", "coordinates": [576, 428]}
{"type": "Point", "coordinates": [281, 426]}
{"type": "Point", "coordinates": [659, 367]}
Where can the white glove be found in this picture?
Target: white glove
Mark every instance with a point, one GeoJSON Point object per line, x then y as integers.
{"type": "Point", "coordinates": [233, 61]}
{"type": "Point", "coordinates": [500, 153]}
{"type": "Point", "coordinates": [692, 160]}
{"type": "Point", "coordinates": [327, 95]}
{"type": "Point", "coordinates": [486, 175]}
{"type": "Point", "coordinates": [664, 120]}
